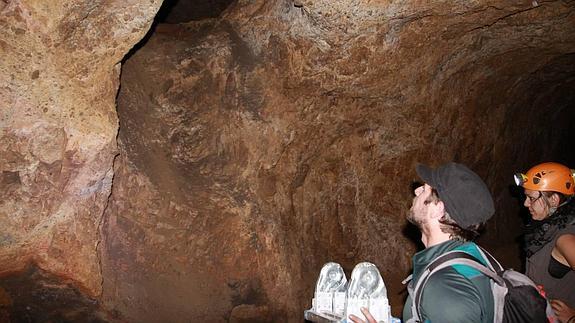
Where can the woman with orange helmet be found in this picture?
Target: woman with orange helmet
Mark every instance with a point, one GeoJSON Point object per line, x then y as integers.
{"type": "Point", "coordinates": [550, 238]}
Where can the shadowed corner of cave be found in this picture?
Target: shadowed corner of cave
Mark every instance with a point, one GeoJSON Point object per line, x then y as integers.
{"type": "Point", "coordinates": [540, 128]}
{"type": "Point", "coordinates": [180, 11]}
{"type": "Point", "coordinates": [37, 296]}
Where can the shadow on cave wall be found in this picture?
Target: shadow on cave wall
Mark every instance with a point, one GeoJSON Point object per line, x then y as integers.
{"type": "Point", "coordinates": [36, 296]}
{"type": "Point", "coordinates": [179, 11]}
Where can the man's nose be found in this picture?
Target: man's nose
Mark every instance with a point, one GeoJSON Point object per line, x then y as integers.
{"type": "Point", "coordinates": [418, 190]}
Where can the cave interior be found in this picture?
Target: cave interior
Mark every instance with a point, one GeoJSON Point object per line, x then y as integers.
{"type": "Point", "coordinates": [253, 141]}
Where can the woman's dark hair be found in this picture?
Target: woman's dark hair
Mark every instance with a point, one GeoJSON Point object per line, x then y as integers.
{"type": "Point", "coordinates": [548, 194]}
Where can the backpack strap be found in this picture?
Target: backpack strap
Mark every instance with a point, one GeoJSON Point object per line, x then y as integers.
{"type": "Point", "coordinates": [493, 263]}
{"type": "Point", "coordinates": [448, 259]}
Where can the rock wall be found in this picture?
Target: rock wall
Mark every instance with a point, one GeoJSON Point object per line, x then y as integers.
{"type": "Point", "coordinates": [256, 146]}
{"type": "Point", "coordinates": [59, 76]}
{"type": "Point", "coordinates": [260, 145]}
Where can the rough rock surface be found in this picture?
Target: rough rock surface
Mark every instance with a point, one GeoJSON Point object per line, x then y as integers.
{"type": "Point", "coordinates": [59, 76]}
{"type": "Point", "coordinates": [258, 146]}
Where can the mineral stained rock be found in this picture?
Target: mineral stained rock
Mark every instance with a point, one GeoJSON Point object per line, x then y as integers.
{"type": "Point", "coordinates": [59, 75]}
{"type": "Point", "coordinates": [254, 147]}
{"type": "Point", "coordinates": [257, 146]}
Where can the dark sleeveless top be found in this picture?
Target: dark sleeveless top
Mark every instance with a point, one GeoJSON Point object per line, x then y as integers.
{"type": "Point", "coordinates": [540, 240]}
{"type": "Point", "coordinates": [557, 269]}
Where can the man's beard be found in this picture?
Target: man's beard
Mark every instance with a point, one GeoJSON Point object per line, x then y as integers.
{"type": "Point", "coordinates": [412, 218]}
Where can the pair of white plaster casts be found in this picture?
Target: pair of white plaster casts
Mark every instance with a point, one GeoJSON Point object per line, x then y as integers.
{"type": "Point", "coordinates": [335, 298]}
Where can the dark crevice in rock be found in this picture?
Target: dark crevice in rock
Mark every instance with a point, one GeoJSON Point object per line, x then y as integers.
{"type": "Point", "coordinates": [100, 228]}
{"type": "Point", "coordinates": [499, 19]}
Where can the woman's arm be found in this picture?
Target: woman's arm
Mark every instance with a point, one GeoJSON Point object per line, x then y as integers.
{"type": "Point", "coordinates": [565, 250]}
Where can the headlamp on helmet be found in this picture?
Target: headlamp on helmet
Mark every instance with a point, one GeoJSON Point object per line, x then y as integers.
{"type": "Point", "coordinates": [520, 179]}
{"type": "Point", "coordinates": [548, 177]}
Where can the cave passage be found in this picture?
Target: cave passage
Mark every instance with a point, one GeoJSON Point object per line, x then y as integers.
{"type": "Point", "coordinates": [241, 145]}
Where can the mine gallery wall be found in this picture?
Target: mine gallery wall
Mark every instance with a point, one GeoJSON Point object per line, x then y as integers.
{"type": "Point", "coordinates": [201, 160]}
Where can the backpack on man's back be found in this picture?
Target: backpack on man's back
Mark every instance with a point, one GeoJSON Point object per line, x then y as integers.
{"type": "Point", "coordinates": [515, 297]}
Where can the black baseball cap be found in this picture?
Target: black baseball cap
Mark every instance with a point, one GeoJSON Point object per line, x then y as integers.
{"type": "Point", "coordinates": [464, 194]}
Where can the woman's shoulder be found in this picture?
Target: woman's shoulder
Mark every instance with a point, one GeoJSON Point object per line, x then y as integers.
{"type": "Point", "coordinates": [565, 239]}
{"type": "Point", "coordinates": [565, 245]}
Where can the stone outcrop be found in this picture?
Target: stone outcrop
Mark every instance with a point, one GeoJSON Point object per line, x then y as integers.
{"type": "Point", "coordinates": [59, 75]}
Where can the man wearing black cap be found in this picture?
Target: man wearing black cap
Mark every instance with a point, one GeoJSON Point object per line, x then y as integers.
{"type": "Point", "coordinates": [449, 208]}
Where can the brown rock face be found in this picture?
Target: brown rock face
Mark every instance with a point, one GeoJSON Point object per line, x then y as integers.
{"type": "Point", "coordinates": [254, 147]}
{"type": "Point", "coordinates": [59, 77]}
{"type": "Point", "coordinates": [258, 146]}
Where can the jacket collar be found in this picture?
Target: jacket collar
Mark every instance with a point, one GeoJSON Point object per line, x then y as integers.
{"type": "Point", "coordinates": [427, 255]}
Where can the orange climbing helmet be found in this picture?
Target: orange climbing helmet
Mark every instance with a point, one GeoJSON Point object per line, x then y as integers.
{"type": "Point", "coordinates": [548, 177]}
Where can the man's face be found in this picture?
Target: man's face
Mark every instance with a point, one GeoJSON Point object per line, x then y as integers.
{"type": "Point", "coordinates": [418, 212]}
{"type": "Point", "coordinates": [535, 202]}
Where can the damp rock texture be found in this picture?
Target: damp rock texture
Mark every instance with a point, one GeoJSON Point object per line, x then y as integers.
{"type": "Point", "coordinates": [59, 76]}
{"type": "Point", "coordinates": [257, 146]}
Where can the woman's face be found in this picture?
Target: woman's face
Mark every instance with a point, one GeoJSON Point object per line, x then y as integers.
{"type": "Point", "coordinates": [537, 205]}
